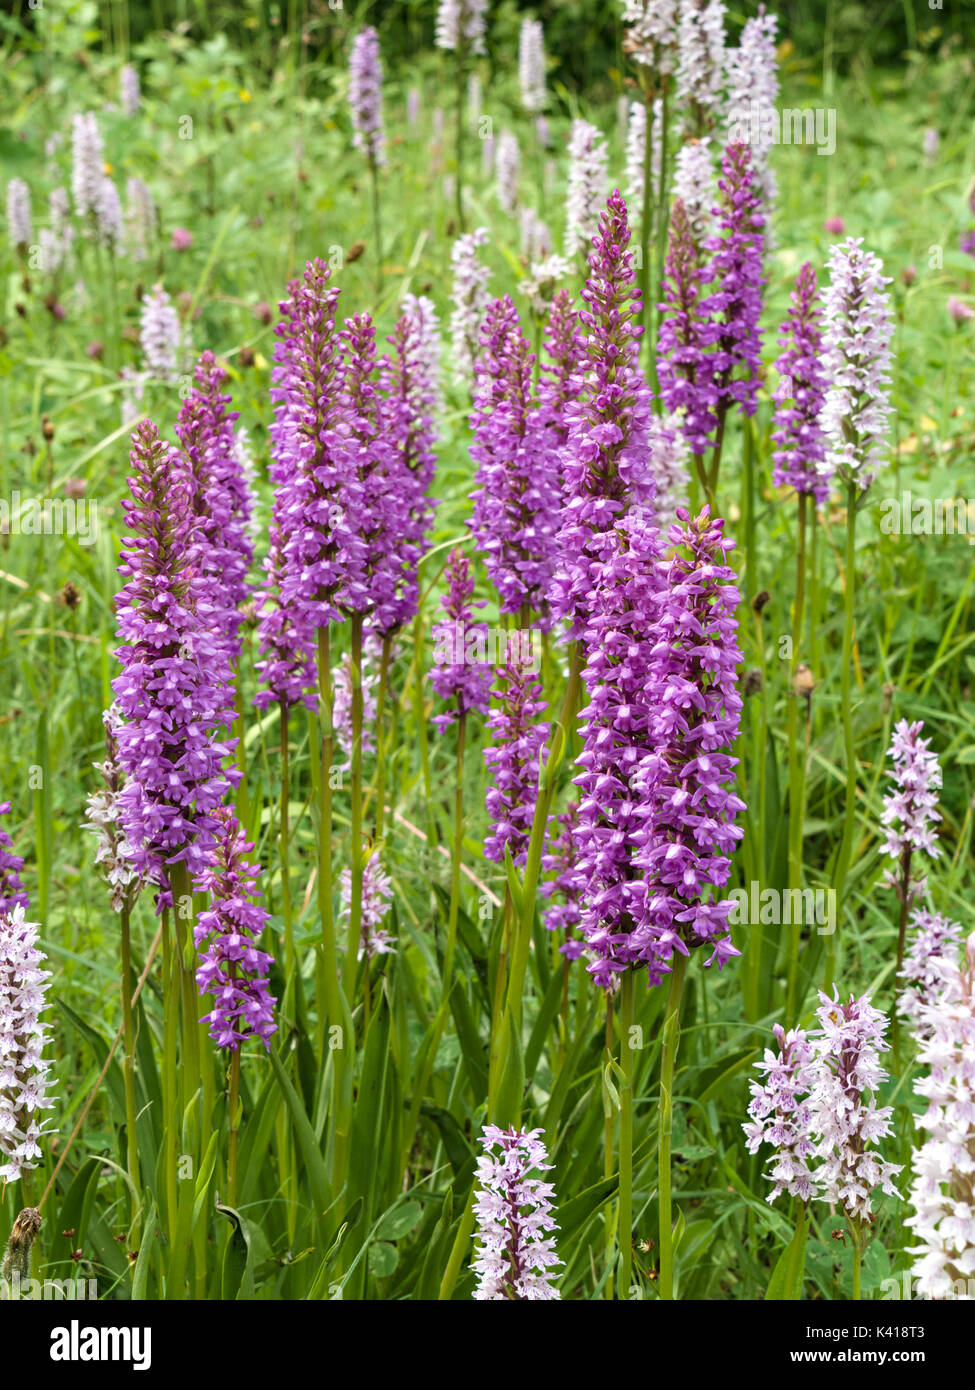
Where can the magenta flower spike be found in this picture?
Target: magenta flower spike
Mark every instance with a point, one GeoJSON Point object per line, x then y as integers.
{"type": "Point", "coordinates": [518, 739]}
{"type": "Point", "coordinates": [11, 889]}
{"type": "Point", "coordinates": [221, 497]}
{"type": "Point", "coordinates": [800, 393]}
{"type": "Point", "coordinates": [516, 498]}
{"type": "Point", "coordinates": [607, 457]}
{"type": "Point", "coordinates": [308, 467]}
{"type": "Point", "coordinates": [233, 969]}
{"type": "Point", "coordinates": [174, 692]}
{"type": "Point", "coordinates": [657, 807]}
{"type": "Point", "coordinates": [460, 673]}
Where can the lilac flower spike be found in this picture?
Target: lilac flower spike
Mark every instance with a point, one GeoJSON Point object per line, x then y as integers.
{"type": "Point", "coordinates": [912, 801]}
{"type": "Point", "coordinates": [507, 164]}
{"type": "Point", "coordinates": [695, 185]}
{"type": "Point", "coordinates": [930, 967]}
{"type": "Point", "coordinates": [781, 1116]}
{"type": "Point", "coordinates": [846, 1117]}
{"type": "Point", "coordinates": [129, 90]}
{"type": "Point", "coordinates": [19, 225]}
{"type": "Point", "coordinates": [88, 165]}
{"type": "Point", "coordinates": [460, 673]}
{"type": "Point", "coordinates": [160, 335]}
{"type": "Point", "coordinates": [366, 96]}
{"type": "Point", "coordinates": [651, 33]}
{"type": "Point", "coordinates": [751, 73]}
{"type": "Point", "coordinates": [799, 395]}
{"type": "Point", "coordinates": [104, 817]}
{"type": "Point", "coordinates": [519, 736]}
{"type": "Point", "coordinates": [24, 1080]}
{"type": "Point", "coordinates": [11, 889]}
{"type": "Point", "coordinates": [470, 300]}
{"type": "Point", "coordinates": [461, 25]}
{"type": "Point", "coordinates": [377, 892]}
{"type": "Point", "coordinates": [531, 64]}
{"type": "Point", "coordinates": [517, 492]}
{"type": "Point", "coordinates": [941, 1177]}
{"type": "Point", "coordinates": [174, 692]}
{"type": "Point", "coordinates": [233, 970]}
{"type": "Point", "coordinates": [858, 328]}
{"type": "Point", "coordinates": [588, 165]}
{"type": "Point", "coordinates": [514, 1253]}
{"type": "Point", "coordinates": [606, 467]}
{"type": "Point", "coordinates": [701, 58]}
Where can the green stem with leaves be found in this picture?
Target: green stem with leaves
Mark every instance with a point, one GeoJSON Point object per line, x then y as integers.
{"type": "Point", "coordinates": [665, 1122]}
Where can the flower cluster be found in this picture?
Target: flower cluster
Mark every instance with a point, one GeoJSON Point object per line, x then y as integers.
{"type": "Point", "coordinates": [588, 165]}
{"type": "Point", "coordinates": [465, 682]}
{"type": "Point", "coordinates": [781, 1114]}
{"type": "Point", "coordinates": [129, 92]}
{"type": "Point", "coordinates": [514, 1253]}
{"type": "Point", "coordinates": [160, 335]}
{"type": "Point", "coordinates": [366, 95]}
{"type": "Point", "coordinates": [656, 808]}
{"type": "Point", "coordinates": [174, 693]}
{"type": "Point", "coordinates": [799, 395]}
{"type": "Point", "coordinates": [818, 1109]}
{"type": "Point", "coordinates": [11, 889]}
{"type": "Point", "coordinates": [913, 802]}
{"type": "Point", "coordinates": [470, 299]}
{"type": "Point", "coordinates": [104, 815]}
{"type": "Point", "coordinates": [377, 892]}
{"type": "Point", "coordinates": [695, 186]}
{"type": "Point", "coordinates": [507, 164]}
{"type": "Point", "coordinates": [930, 965]}
{"type": "Point", "coordinates": [23, 1068]}
{"type": "Point", "coordinates": [19, 226]}
{"type": "Point", "coordinates": [845, 1116]}
{"type": "Point", "coordinates": [701, 59]}
{"type": "Point", "coordinates": [636, 149]}
{"type": "Point", "coordinates": [751, 73]}
{"type": "Point", "coordinates": [342, 709]}
{"type": "Point", "coordinates": [531, 64]}
{"type": "Point", "coordinates": [606, 458]}
{"type": "Point", "coordinates": [233, 970]}
{"type": "Point", "coordinates": [651, 31]}
{"type": "Point", "coordinates": [519, 737]}
{"type": "Point", "coordinates": [221, 497]}
{"type": "Point", "coordinates": [461, 25]}
{"type": "Point", "coordinates": [858, 329]}
{"type": "Point", "coordinates": [942, 1168]}
{"type": "Point", "coordinates": [516, 497]}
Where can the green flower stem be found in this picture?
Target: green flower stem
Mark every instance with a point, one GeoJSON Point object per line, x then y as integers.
{"type": "Point", "coordinates": [356, 856]}
{"type": "Point", "coordinates": [665, 1122]}
{"type": "Point", "coordinates": [796, 761]}
{"type": "Point", "coordinates": [846, 674]}
{"type": "Point", "coordinates": [626, 1135]}
{"type": "Point", "coordinates": [128, 1072]}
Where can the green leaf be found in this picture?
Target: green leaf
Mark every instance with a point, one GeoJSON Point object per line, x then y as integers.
{"type": "Point", "coordinates": [383, 1259]}
{"type": "Point", "coordinates": [237, 1274]}
{"type": "Point", "coordinates": [398, 1221]}
{"type": "Point", "coordinates": [785, 1284]}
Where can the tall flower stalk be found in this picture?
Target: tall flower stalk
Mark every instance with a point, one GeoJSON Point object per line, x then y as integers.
{"type": "Point", "coordinates": [460, 29]}
{"type": "Point", "coordinates": [858, 330]}
{"type": "Point", "coordinates": [366, 102]}
{"type": "Point", "coordinates": [797, 459]}
{"type": "Point", "coordinates": [514, 1256]}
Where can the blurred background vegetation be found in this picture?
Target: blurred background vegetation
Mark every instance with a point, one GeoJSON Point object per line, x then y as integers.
{"type": "Point", "coordinates": [848, 36]}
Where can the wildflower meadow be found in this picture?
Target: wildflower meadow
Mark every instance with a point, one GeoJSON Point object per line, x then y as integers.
{"type": "Point", "coordinates": [487, 495]}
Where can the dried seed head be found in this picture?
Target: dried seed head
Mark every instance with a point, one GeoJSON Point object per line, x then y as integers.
{"type": "Point", "coordinates": [16, 1259]}
{"type": "Point", "coordinates": [753, 682]}
{"type": "Point", "coordinates": [355, 251]}
{"type": "Point", "coordinates": [804, 683]}
{"type": "Point", "coordinates": [760, 600]}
